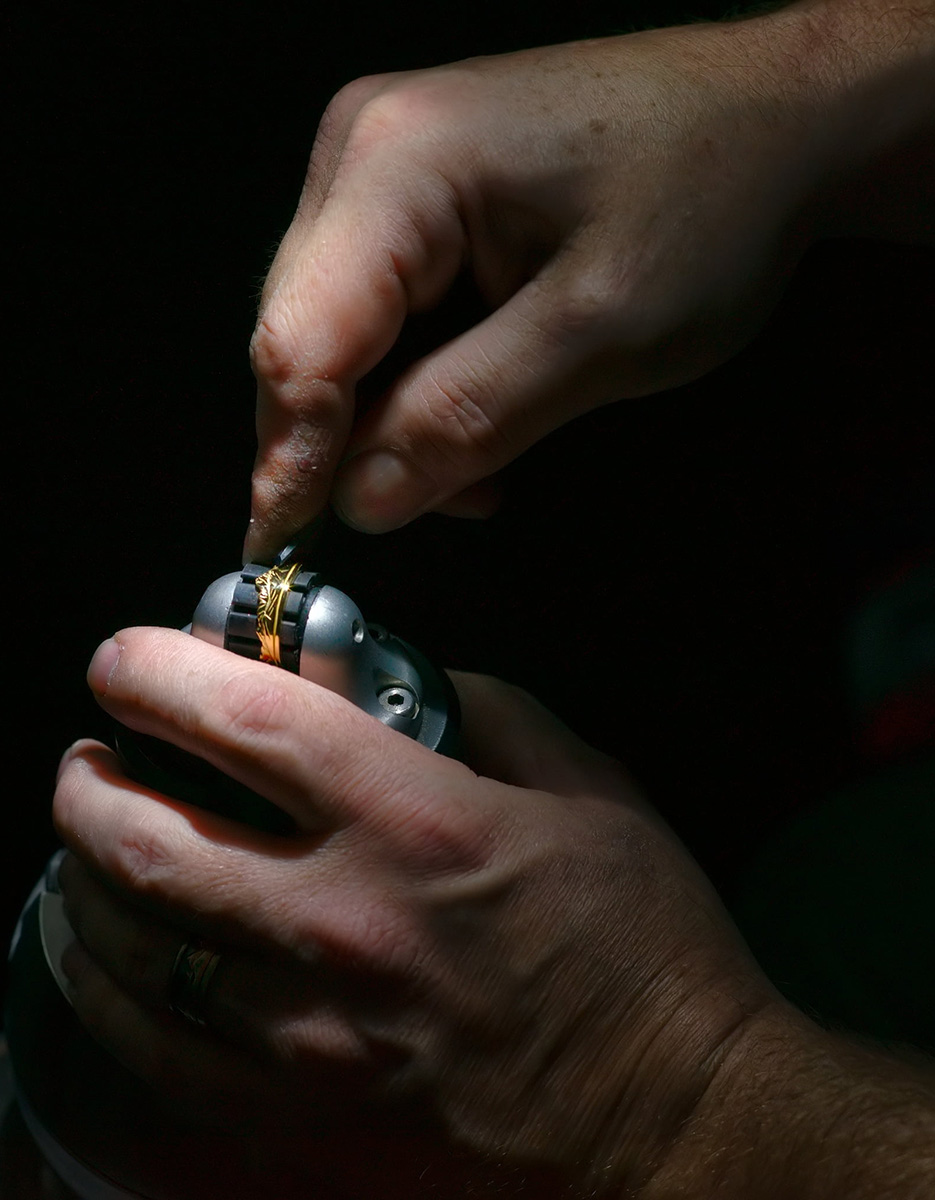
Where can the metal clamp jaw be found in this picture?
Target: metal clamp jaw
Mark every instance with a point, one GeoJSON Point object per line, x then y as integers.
{"type": "Point", "coordinates": [290, 618]}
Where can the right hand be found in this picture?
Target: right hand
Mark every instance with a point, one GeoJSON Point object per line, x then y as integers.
{"type": "Point", "coordinates": [630, 208]}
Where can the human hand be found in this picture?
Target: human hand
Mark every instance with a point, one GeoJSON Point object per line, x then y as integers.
{"type": "Point", "coordinates": [629, 208]}
{"type": "Point", "coordinates": [624, 208]}
{"type": "Point", "coordinates": [526, 955]}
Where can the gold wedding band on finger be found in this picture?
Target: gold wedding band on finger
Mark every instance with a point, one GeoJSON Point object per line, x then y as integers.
{"type": "Point", "coordinates": [190, 979]}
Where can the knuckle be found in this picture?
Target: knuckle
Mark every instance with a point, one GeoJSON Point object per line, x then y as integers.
{"type": "Point", "coordinates": [331, 140]}
{"type": "Point", "coordinates": [290, 1040]}
{"type": "Point", "coordinates": [348, 101]}
{"type": "Point", "coordinates": [400, 113]}
{"type": "Point", "coordinates": [247, 710]}
{"type": "Point", "coordinates": [274, 348]}
{"type": "Point", "coordinates": [461, 409]}
{"type": "Point", "coordinates": [590, 301]}
{"type": "Point", "coordinates": [441, 837]}
{"type": "Point", "coordinates": [313, 1041]}
{"type": "Point", "coordinates": [301, 387]}
{"type": "Point", "coordinates": [143, 856]}
{"type": "Point", "coordinates": [377, 938]}
{"type": "Point", "coordinates": [383, 117]}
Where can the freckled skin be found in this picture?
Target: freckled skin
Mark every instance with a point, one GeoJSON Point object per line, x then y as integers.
{"type": "Point", "coordinates": [663, 183]}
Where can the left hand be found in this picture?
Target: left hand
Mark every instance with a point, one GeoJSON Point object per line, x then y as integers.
{"type": "Point", "coordinates": [526, 956]}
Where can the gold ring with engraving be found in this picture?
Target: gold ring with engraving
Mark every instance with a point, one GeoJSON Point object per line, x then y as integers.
{"type": "Point", "coordinates": [272, 588]}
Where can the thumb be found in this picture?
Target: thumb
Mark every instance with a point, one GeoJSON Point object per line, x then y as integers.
{"type": "Point", "coordinates": [467, 409]}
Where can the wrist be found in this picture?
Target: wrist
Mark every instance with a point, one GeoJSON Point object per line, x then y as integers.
{"type": "Point", "coordinates": [797, 1111]}
{"type": "Point", "coordinates": [860, 73]}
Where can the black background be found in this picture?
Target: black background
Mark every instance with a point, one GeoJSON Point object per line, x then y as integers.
{"type": "Point", "coordinates": [671, 575]}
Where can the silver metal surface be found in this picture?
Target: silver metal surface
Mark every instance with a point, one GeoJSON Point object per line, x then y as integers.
{"type": "Point", "coordinates": [339, 650]}
{"type": "Point", "coordinates": [210, 620]}
{"type": "Point", "coordinates": [340, 653]}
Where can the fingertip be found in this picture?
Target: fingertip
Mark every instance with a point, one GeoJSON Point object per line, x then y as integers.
{"type": "Point", "coordinates": [257, 544]}
{"type": "Point", "coordinates": [264, 538]}
{"type": "Point", "coordinates": [103, 665]}
{"type": "Point", "coordinates": [66, 758]}
{"type": "Point", "coordinates": [299, 546]}
{"type": "Point", "coordinates": [79, 749]}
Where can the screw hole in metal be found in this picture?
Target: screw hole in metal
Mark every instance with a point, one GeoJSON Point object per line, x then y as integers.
{"type": "Point", "coordinates": [399, 701]}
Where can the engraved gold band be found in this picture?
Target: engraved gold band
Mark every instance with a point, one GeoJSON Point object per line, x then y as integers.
{"type": "Point", "coordinates": [272, 588]}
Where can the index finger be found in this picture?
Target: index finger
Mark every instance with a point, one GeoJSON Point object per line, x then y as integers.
{"type": "Point", "coordinates": [387, 240]}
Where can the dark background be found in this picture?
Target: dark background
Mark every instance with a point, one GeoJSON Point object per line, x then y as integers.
{"type": "Point", "coordinates": [672, 575]}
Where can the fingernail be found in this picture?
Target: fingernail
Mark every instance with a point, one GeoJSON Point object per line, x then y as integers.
{"type": "Point", "coordinates": [378, 491]}
{"type": "Point", "coordinates": [103, 665]}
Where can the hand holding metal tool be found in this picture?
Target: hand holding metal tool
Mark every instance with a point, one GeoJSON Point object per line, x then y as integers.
{"type": "Point", "coordinates": [291, 618]}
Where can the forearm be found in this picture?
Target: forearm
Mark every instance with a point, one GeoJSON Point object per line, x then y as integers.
{"type": "Point", "coordinates": [796, 1112]}
{"type": "Point", "coordinates": [864, 73]}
